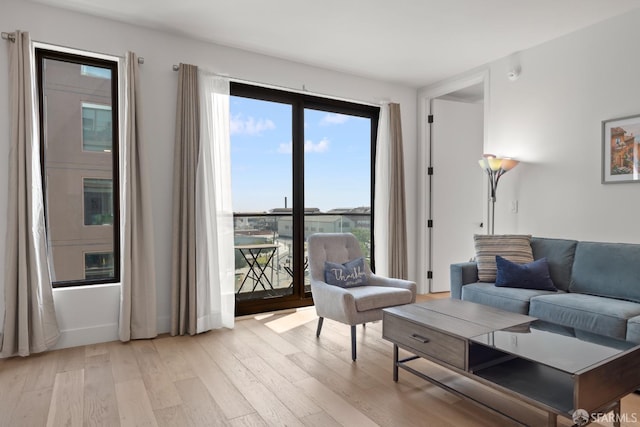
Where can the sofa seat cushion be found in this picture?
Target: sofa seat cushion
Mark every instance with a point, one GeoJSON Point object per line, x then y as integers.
{"type": "Point", "coordinates": [510, 299]}
{"type": "Point", "coordinates": [377, 297]}
{"type": "Point", "coordinates": [633, 330]}
{"type": "Point", "coordinates": [604, 316]}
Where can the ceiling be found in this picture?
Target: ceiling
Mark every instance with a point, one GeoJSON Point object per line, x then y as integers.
{"type": "Point", "coordinates": [412, 42]}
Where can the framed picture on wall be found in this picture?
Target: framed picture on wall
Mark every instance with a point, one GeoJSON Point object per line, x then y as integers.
{"type": "Point", "coordinates": [621, 150]}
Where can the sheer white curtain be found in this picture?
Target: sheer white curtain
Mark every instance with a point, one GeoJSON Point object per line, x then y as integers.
{"type": "Point", "coordinates": [30, 324]}
{"type": "Point", "coordinates": [215, 269]}
{"type": "Point", "coordinates": [382, 193]}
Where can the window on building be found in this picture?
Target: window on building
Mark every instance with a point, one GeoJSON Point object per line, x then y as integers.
{"type": "Point", "coordinates": [78, 99]}
{"type": "Point", "coordinates": [98, 265]}
{"type": "Point", "coordinates": [91, 71]}
{"type": "Point", "coordinates": [98, 201]}
{"type": "Point", "coordinates": [97, 133]}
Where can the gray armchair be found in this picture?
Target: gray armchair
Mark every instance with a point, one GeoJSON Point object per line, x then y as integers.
{"type": "Point", "coordinates": [354, 305]}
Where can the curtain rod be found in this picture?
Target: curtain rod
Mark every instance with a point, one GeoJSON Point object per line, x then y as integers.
{"type": "Point", "coordinates": [9, 36]}
{"type": "Point", "coordinates": [304, 89]}
{"type": "Point", "coordinates": [12, 38]}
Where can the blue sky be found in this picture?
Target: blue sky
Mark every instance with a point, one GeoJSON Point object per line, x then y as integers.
{"type": "Point", "coordinates": [337, 157]}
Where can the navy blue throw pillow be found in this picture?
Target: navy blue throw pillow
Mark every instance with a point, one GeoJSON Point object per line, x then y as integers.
{"type": "Point", "coordinates": [534, 275]}
{"type": "Point", "coordinates": [347, 275]}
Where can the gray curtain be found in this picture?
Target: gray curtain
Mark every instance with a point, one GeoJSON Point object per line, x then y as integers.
{"type": "Point", "coordinates": [138, 295]}
{"type": "Point", "coordinates": [30, 324]}
{"type": "Point", "coordinates": [398, 266]}
{"type": "Point", "coordinates": [183, 276]}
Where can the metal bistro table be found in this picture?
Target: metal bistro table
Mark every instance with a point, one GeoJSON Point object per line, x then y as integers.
{"type": "Point", "coordinates": [257, 272]}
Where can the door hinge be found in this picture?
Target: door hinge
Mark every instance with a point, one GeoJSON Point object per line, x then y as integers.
{"type": "Point", "coordinates": [430, 170]}
{"type": "Point", "coordinates": [430, 118]}
{"type": "Point", "coordinates": [429, 274]}
{"type": "Point", "coordinates": [430, 223]}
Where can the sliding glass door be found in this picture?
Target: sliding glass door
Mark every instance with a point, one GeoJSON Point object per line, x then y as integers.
{"type": "Point", "coordinates": [300, 165]}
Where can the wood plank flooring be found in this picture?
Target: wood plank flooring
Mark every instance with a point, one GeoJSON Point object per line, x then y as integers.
{"type": "Point", "coordinates": [270, 370]}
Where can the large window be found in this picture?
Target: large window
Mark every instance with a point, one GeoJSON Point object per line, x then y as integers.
{"type": "Point", "coordinates": [78, 99]}
{"type": "Point", "coordinates": [299, 165]}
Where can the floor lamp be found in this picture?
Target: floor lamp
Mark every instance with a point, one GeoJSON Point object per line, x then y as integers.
{"type": "Point", "coordinates": [495, 168]}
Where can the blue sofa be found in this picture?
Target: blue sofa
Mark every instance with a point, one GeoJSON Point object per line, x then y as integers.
{"type": "Point", "coordinates": [598, 287]}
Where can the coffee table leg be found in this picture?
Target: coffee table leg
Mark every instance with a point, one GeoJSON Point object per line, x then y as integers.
{"type": "Point", "coordinates": [616, 413]}
{"type": "Point", "coordinates": [552, 420]}
{"type": "Point", "coordinates": [395, 363]}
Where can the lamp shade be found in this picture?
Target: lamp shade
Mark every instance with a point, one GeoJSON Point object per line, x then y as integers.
{"type": "Point", "coordinates": [495, 164]}
{"type": "Point", "coordinates": [508, 164]}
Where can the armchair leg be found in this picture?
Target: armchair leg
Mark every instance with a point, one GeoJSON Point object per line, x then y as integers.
{"type": "Point", "coordinates": [320, 319]}
{"type": "Point", "coordinates": [353, 342]}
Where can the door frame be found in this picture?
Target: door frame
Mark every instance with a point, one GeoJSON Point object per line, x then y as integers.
{"type": "Point", "coordinates": [425, 96]}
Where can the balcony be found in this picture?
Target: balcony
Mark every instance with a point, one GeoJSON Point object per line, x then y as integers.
{"type": "Point", "coordinates": [264, 248]}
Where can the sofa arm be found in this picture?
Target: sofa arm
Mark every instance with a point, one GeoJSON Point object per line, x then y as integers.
{"type": "Point", "coordinates": [462, 274]}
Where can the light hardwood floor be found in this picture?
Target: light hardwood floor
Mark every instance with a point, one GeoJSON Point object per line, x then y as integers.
{"type": "Point", "coordinates": [270, 370]}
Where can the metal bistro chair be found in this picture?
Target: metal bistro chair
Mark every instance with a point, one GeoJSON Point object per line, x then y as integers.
{"type": "Point", "coordinates": [353, 305]}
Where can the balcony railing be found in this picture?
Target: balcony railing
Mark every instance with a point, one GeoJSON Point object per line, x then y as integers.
{"type": "Point", "coordinates": [264, 248]}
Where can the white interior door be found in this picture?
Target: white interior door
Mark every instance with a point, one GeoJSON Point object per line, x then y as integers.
{"type": "Point", "coordinates": [457, 185]}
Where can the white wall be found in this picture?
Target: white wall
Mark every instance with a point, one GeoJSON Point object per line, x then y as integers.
{"type": "Point", "coordinates": [550, 118]}
{"type": "Point", "coordinates": [159, 87]}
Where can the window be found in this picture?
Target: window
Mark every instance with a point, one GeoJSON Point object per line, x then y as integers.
{"type": "Point", "coordinates": [98, 265]}
{"type": "Point", "coordinates": [98, 201]}
{"type": "Point", "coordinates": [97, 133]}
{"type": "Point", "coordinates": [305, 163]}
{"type": "Point", "coordinates": [78, 99]}
{"type": "Point", "coordinates": [99, 72]}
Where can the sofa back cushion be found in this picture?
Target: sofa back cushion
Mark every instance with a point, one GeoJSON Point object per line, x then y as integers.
{"type": "Point", "coordinates": [607, 269]}
{"type": "Point", "coordinates": [559, 254]}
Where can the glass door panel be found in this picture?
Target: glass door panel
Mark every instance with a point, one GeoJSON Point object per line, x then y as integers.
{"type": "Point", "coordinates": [337, 175]}
{"type": "Point", "coordinates": [261, 175]}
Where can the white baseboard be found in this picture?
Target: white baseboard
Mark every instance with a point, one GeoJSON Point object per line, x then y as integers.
{"type": "Point", "coordinates": [85, 336]}
{"type": "Point", "coordinates": [99, 334]}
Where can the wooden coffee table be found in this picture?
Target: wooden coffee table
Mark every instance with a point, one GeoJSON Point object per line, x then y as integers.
{"type": "Point", "coordinates": [561, 370]}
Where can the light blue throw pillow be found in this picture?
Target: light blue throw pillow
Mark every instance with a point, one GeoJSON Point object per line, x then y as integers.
{"type": "Point", "coordinates": [347, 275]}
{"type": "Point", "coordinates": [533, 275]}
